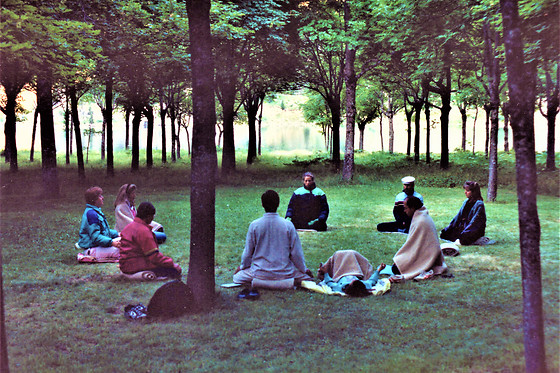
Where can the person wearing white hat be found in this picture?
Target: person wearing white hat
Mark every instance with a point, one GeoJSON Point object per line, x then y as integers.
{"type": "Point", "coordinates": [402, 220]}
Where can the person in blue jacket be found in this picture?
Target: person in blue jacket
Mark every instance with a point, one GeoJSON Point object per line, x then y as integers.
{"type": "Point", "coordinates": [308, 208]}
{"type": "Point", "coordinates": [98, 242]}
{"type": "Point", "coordinates": [469, 225]}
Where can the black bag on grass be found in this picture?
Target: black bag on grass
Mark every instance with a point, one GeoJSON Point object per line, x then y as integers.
{"type": "Point", "coordinates": [171, 300]}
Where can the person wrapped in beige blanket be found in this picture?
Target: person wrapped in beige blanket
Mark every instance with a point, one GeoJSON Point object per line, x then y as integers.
{"type": "Point", "coordinates": [420, 257]}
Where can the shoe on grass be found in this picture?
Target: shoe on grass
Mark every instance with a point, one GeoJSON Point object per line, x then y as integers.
{"type": "Point", "coordinates": [484, 241]}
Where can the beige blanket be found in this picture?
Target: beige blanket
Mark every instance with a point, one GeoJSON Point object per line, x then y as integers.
{"type": "Point", "coordinates": [348, 263]}
{"type": "Point", "coordinates": [421, 251]}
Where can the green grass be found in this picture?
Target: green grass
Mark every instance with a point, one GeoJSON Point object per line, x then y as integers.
{"type": "Point", "coordinates": [65, 317]}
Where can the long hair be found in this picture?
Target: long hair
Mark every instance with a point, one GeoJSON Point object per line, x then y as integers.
{"type": "Point", "coordinates": [124, 193]}
{"type": "Point", "coordinates": [474, 188]}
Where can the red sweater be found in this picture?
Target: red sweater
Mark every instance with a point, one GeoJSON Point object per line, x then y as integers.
{"type": "Point", "coordinates": [139, 249]}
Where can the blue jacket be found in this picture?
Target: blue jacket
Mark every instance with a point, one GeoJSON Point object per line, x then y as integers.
{"type": "Point", "coordinates": [94, 230]}
{"type": "Point", "coordinates": [467, 230]}
{"type": "Point", "coordinates": [307, 205]}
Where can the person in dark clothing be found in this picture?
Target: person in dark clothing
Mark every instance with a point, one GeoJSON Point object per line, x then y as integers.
{"type": "Point", "coordinates": [402, 220]}
{"type": "Point", "coordinates": [469, 225]}
{"type": "Point", "coordinates": [308, 207]}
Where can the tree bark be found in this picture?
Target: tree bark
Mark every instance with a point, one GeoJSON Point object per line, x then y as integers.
{"type": "Point", "coordinates": [552, 103]}
{"type": "Point", "coordinates": [505, 112]}
{"type": "Point", "coordinates": [200, 276]}
{"type": "Point", "coordinates": [33, 132]}
{"type": "Point", "coordinates": [162, 114]}
{"type": "Point", "coordinates": [108, 115]}
{"type": "Point", "coordinates": [10, 127]}
{"type": "Point", "coordinates": [67, 127]}
{"type": "Point", "coordinates": [149, 113]}
{"type": "Point", "coordinates": [251, 105]}
{"type": "Point", "coordinates": [48, 146]}
{"type": "Point", "coordinates": [493, 75]}
{"type": "Point", "coordinates": [390, 115]}
{"type": "Point", "coordinates": [76, 121]}
{"type": "Point", "coordinates": [136, 119]}
{"type": "Point", "coordinates": [428, 130]}
{"type": "Point", "coordinates": [463, 110]}
{"type": "Point", "coordinates": [521, 79]}
{"type": "Point", "coordinates": [227, 102]}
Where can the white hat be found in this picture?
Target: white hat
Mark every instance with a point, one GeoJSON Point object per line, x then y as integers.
{"type": "Point", "coordinates": [408, 180]}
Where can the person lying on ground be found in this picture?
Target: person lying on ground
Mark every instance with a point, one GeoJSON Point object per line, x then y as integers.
{"type": "Point", "coordinates": [469, 224]}
{"type": "Point", "coordinates": [139, 249]}
{"type": "Point", "coordinates": [308, 207]}
{"type": "Point", "coordinates": [272, 248]}
{"type": "Point", "coordinates": [98, 242]}
{"type": "Point", "coordinates": [402, 220]}
{"type": "Point", "coordinates": [421, 253]}
{"type": "Point", "coordinates": [349, 272]}
{"type": "Point", "coordinates": [125, 211]}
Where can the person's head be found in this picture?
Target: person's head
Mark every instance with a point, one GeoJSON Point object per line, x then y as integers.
{"type": "Point", "coordinates": [411, 204]}
{"type": "Point", "coordinates": [472, 190]}
{"type": "Point", "coordinates": [355, 289]}
{"type": "Point", "coordinates": [127, 192]}
{"type": "Point", "coordinates": [408, 184]}
{"type": "Point", "coordinates": [270, 201]}
{"type": "Point", "coordinates": [94, 196]}
{"type": "Point", "coordinates": [308, 181]}
{"type": "Point", "coordinates": [146, 212]}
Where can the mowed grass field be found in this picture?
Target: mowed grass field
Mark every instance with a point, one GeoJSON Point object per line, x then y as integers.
{"type": "Point", "coordinates": [62, 316]}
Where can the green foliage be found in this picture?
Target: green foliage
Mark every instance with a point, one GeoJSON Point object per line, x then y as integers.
{"type": "Point", "coordinates": [60, 313]}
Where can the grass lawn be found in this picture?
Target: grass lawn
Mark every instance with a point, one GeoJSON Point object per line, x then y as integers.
{"type": "Point", "coordinates": [65, 317]}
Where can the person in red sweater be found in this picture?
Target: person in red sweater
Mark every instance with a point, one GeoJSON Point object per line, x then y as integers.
{"type": "Point", "coordinates": [139, 250]}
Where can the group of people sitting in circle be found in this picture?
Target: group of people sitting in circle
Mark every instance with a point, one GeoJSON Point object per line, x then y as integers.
{"type": "Point", "coordinates": [273, 255]}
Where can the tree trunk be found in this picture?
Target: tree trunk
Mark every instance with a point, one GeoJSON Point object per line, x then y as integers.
{"type": "Point", "coordinates": [48, 146]}
{"type": "Point", "coordinates": [251, 105]}
{"type": "Point", "coordinates": [10, 128]}
{"type": "Point", "coordinates": [408, 115]}
{"type": "Point", "coordinates": [228, 109]}
{"type": "Point", "coordinates": [381, 130]}
{"type": "Point", "coordinates": [108, 115]}
{"type": "Point", "coordinates": [350, 82]}
{"type": "Point", "coordinates": [428, 130]}
{"type": "Point", "coordinates": [474, 130]}
{"type": "Point", "coordinates": [487, 110]}
{"type": "Point", "coordinates": [162, 115]}
{"type": "Point", "coordinates": [76, 121]}
{"type": "Point", "coordinates": [127, 112]}
{"type": "Point", "coordinates": [33, 132]}
{"type": "Point", "coordinates": [334, 107]}
{"type": "Point", "coordinates": [103, 134]}
{"type": "Point", "coordinates": [445, 95]}
{"type": "Point", "coordinates": [390, 115]}
{"type": "Point", "coordinates": [417, 105]}
{"type": "Point", "coordinates": [463, 110]}
{"type": "Point", "coordinates": [361, 141]}
{"type": "Point", "coordinates": [201, 278]}
{"type": "Point", "coordinates": [492, 64]}
{"type": "Point", "coordinates": [136, 119]}
{"type": "Point", "coordinates": [552, 103]}
{"type": "Point", "coordinates": [173, 120]}
{"type": "Point", "coordinates": [521, 78]}
{"type": "Point", "coordinates": [67, 127]}
{"type": "Point", "coordinates": [149, 112]}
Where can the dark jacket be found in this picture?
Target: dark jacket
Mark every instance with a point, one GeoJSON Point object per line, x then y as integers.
{"type": "Point", "coordinates": [308, 205]}
{"type": "Point", "coordinates": [467, 229]}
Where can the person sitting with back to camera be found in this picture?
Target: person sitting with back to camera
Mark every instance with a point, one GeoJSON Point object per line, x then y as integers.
{"type": "Point", "coordinates": [349, 272]}
{"type": "Point", "coordinates": [402, 220]}
{"type": "Point", "coordinates": [125, 211]}
{"type": "Point", "coordinates": [139, 249]}
{"type": "Point", "coordinates": [100, 244]}
{"type": "Point", "coordinates": [420, 257]}
{"type": "Point", "coordinates": [469, 225]}
{"type": "Point", "coordinates": [308, 207]}
{"type": "Point", "coordinates": [273, 251]}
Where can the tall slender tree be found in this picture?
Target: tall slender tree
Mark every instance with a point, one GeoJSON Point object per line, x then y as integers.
{"type": "Point", "coordinates": [521, 78]}
{"type": "Point", "coordinates": [200, 277]}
